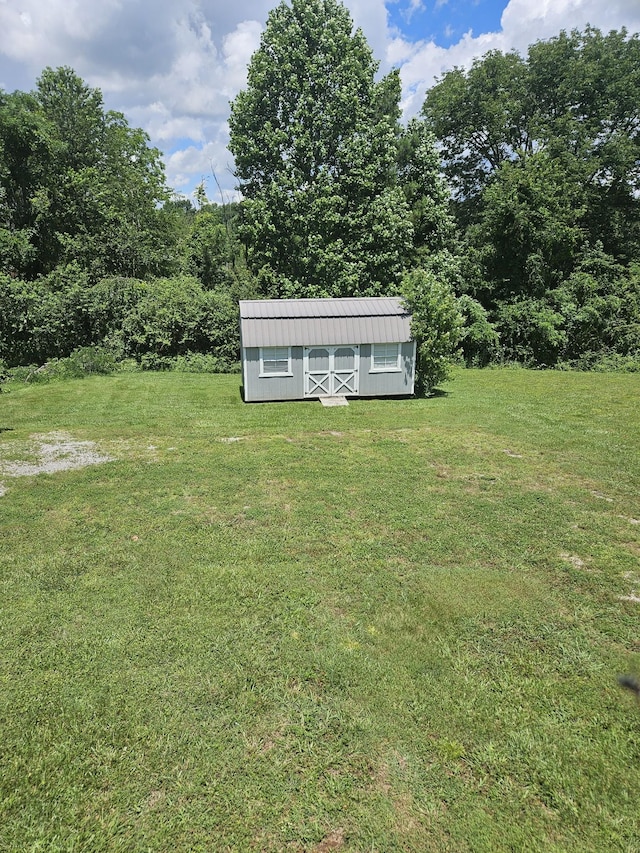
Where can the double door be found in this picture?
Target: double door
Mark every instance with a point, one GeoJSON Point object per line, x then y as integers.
{"type": "Point", "coordinates": [331, 371]}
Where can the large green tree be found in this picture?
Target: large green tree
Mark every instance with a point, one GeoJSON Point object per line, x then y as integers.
{"type": "Point", "coordinates": [543, 153]}
{"type": "Point", "coordinates": [77, 184]}
{"type": "Point", "coordinates": [315, 140]}
{"type": "Point", "coordinates": [575, 97]}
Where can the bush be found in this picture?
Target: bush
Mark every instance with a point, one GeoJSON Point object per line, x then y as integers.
{"type": "Point", "coordinates": [480, 342]}
{"type": "Point", "coordinates": [198, 362]}
{"type": "Point", "coordinates": [177, 316]}
{"type": "Point", "coordinates": [531, 332]}
{"type": "Point", "coordinates": [191, 362]}
{"type": "Point", "coordinates": [436, 325]}
{"type": "Point", "coordinates": [153, 361]}
{"type": "Point", "coordinates": [604, 362]}
{"type": "Point", "coordinates": [88, 360]}
{"type": "Point", "coordinates": [83, 361]}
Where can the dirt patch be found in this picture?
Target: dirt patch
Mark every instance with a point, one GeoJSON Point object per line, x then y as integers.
{"type": "Point", "coordinates": [333, 841]}
{"type": "Point", "coordinates": [575, 561]}
{"type": "Point", "coordinates": [47, 454]}
{"type": "Point", "coordinates": [633, 595]}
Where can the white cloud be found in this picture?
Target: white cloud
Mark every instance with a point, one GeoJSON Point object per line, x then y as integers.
{"type": "Point", "coordinates": [172, 66]}
{"type": "Point", "coordinates": [371, 17]}
{"type": "Point", "coordinates": [190, 165]}
{"type": "Point", "coordinates": [523, 22]}
{"type": "Point", "coordinates": [238, 48]}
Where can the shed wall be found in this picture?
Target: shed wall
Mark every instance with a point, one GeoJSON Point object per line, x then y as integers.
{"type": "Point", "coordinates": [257, 388]}
{"type": "Point", "coordinates": [387, 384]}
{"type": "Point", "coordinates": [383, 384]}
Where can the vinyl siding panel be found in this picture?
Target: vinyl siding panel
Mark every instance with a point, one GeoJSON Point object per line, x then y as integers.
{"type": "Point", "coordinates": [390, 384]}
{"type": "Point", "coordinates": [261, 388]}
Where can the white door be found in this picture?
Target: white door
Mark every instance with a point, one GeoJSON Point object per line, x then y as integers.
{"type": "Point", "coordinates": [331, 371]}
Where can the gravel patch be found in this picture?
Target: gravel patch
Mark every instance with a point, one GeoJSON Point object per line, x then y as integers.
{"type": "Point", "coordinates": [47, 454]}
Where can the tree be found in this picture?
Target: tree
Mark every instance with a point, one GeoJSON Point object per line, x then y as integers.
{"type": "Point", "coordinates": [426, 191]}
{"type": "Point", "coordinates": [314, 137]}
{"type": "Point", "coordinates": [480, 342]}
{"type": "Point", "coordinates": [480, 119]}
{"type": "Point", "coordinates": [26, 161]}
{"type": "Point", "coordinates": [436, 325]}
{"type": "Point", "coordinates": [543, 153]}
{"type": "Point", "coordinates": [77, 184]}
{"type": "Point", "coordinates": [576, 95]}
{"type": "Point", "coordinates": [531, 227]}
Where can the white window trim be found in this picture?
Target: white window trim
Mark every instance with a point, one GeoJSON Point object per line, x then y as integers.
{"type": "Point", "coordinates": [396, 369]}
{"type": "Point", "coordinates": [264, 373]}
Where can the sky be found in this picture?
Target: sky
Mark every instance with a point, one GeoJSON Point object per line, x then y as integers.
{"type": "Point", "coordinates": [173, 66]}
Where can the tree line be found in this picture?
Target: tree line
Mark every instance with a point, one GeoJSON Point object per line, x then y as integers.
{"type": "Point", "coordinates": [506, 214]}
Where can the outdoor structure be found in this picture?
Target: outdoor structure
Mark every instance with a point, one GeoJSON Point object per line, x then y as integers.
{"type": "Point", "coordinates": [293, 349]}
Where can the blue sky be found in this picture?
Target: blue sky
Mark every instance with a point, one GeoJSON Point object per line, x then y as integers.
{"type": "Point", "coordinates": [173, 66]}
{"type": "Point", "coordinates": [446, 21]}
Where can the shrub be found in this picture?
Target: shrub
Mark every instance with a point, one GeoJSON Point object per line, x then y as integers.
{"type": "Point", "coordinates": [191, 362]}
{"type": "Point", "coordinates": [436, 326]}
{"type": "Point", "coordinates": [199, 362]}
{"type": "Point", "coordinates": [480, 342]}
{"type": "Point", "coordinates": [531, 332]}
{"type": "Point", "coordinates": [88, 360]}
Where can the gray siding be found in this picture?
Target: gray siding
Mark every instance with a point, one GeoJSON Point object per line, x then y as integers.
{"type": "Point", "coordinates": [387, 384]}
{"type": "Point", "coordinates": [333, 324]}
{"type": "Point", "coordinates": [257, 388]}
{"type": "Point", "coordinates": [260, 389]}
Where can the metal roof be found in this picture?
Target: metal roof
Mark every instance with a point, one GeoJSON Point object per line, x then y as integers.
{"type": "Point", "coordinates": [306, 322]}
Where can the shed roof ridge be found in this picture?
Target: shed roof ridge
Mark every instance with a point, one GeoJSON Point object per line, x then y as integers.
{"type": "Point", "coordinates": [326, 307]}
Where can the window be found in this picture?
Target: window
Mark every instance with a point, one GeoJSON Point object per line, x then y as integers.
{"type": "Point", "coordinates": [275, 361]}
{"type": "Point", "coordinates": [385, 357]}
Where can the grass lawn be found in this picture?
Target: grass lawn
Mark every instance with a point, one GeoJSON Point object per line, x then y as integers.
{"type": "Point", "coordinates": [395, 626]}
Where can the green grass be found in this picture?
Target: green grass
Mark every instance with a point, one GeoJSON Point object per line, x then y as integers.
{"type": "Point", "coordinates": [395, 626]}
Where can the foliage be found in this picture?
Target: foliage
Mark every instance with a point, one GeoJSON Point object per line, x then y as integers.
{"type": "Point", "coordinates": [88, 360]}
{"type": "Point", "coordinates": [314, 138]}
{"type": "Point", "coordinates": [604, 361]}
{"type": "Point", "coordinates": [176, 316]}
{"type": "Point", "coordinates": [83, 361]}
{"type": "Point", "coordinates": [78, 185]}
{"type": "Point", "coordinates": [575, 96]}
{"type": "Point", "coordinates": [207, 250]}
{"type": "Point", "coordinates": [210, 245]}
{"type": "Point", "coordinates": [190, 362]}
{"type": "Point", "coordinates": [479, 340]}
{"type": "Point", "coordinates": [52, 317]}
{"type": "Point", "coordinates": [425, 189]}
{"type": "Point", "coordinates": [530, 228]}
{"type": "Point", "coordinates": [543, 153]}
{"type": "Point", "coordinates": [601, 301]}
{"type": "Point", "coordinates": [530, 332]}
{"type": "Point", "coordinates": [40, 320]}
{"type": "Point", "coordinates": [436, 326]}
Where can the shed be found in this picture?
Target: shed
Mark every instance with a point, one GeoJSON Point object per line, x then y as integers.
{"type": "Point", "coordinates": [293, 349]}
